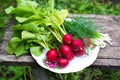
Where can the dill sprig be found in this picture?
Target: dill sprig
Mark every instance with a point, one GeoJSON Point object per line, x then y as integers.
{"type": "Point", "coordinates": [82, 28]}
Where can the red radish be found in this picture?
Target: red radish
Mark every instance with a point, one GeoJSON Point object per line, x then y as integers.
{"type": "Point", "coordinates": [71, 56]}
{"type": "Point", "coordinates": [80, 52]}
{"type": "Point", "coordinates": [62, 62]}
{"type": "Point", "coordinates": [67, 39]}
{"type": "Point", "coordinates": [65, 51]}
{"type": "Point", "coordinates": [52, 55]}
{"type": "Point", "coordinates": [76, 44]}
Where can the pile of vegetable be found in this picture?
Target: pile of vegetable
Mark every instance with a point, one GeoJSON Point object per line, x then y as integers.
{"type": "Point", "coordinates": [44, 27]}
{"type": "Point", "coordinates": [85, 28]}
{"type": "Point", "coordinates": [70, 48]}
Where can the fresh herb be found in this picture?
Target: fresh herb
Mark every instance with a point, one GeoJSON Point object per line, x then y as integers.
{"type": "Point", "coordinates": [81, 28]}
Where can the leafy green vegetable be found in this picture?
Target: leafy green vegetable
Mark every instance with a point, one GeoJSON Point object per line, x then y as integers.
{"type": "Point", "coordinates": [27, 35]}
{"type": "Point", "coordinates": [51, 4]}
{"type": "Point", "coordinates": [37, 26]}
{"type": "Point", "coordinates": [13, 44]}
{"type": "Point", "coordinates": [35, 50]}
{"type": "Point", "coordinates": [21, 50]}
{"type": "Point", "coordinates": [16, 46]}
{"type": "Point", "coordinates": [28, 27]}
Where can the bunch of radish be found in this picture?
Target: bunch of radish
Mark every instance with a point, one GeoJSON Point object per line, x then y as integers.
{"type": "Point", "coordinates": [67, 51]}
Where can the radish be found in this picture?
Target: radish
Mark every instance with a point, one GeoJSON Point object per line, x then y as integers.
{"type": "Point", "coordinates": [80, 52]}
{"type": "Point", "coordinates": [65, 51]}
{"type": "Point", "coordinates": [62, 62]}
{"type": "Point", "coordinates": [52, 55]}
{"type": "Point", "coordinates": [86, 42]}
{"type": "Point", "coordinates": [76, 44]}
{"type": "Point", "coordinates": [71, 56]}
{"type": "Point", "coordinates": [67, 39]}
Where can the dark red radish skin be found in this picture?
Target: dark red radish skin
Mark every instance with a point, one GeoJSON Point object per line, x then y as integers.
{"type": "Point", "coordinates": [65, 51]}
{"type": "Point", "coordinates": [67, 39]}
{"type": "Point", "coordinates": [80, 52]}
{"type": "Point", "coordinates": [52, 55]}
{"type": "Point", "coordinates": [76, 44]}
{"type": "Point", "coordinates": [71, 56]}
{"type": "Point", "coordinates": [62, 62]}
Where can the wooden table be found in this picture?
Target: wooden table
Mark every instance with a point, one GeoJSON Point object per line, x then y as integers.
{"type": "Point", "coordinates": [108, 57]}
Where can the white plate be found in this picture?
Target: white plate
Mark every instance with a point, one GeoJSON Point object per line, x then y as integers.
{"type": "Point", "coordinates": [77, 64]}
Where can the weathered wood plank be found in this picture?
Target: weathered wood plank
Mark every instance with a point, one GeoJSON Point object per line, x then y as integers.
{"type": "Point", "coordinates": [97, 17]}
{"type": "Point", "coordinates": [7, 35]}
{"type": "Point", "coordinates": [109, 56]}
{"type": "Point", "coordinates": [107, 62]}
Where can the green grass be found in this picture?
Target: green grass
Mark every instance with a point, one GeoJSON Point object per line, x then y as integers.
{"type": "Point", "coordinates": [74, 6]}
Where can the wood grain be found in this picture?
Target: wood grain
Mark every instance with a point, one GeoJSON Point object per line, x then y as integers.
{"type": "Point", "coordinates": [109, 56]}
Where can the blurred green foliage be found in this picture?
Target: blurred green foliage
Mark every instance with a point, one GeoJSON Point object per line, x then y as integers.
{"type": "Point", "coordinates": [3, 17]}
{"type": "Point", "coordinates": [87, 74]}
{"type": "Point", "coordinates": [91, 7]}
{"type": "Point", "coordinates": [15, 73]}
{"type": "Point", "coordinates": [103, 7]}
